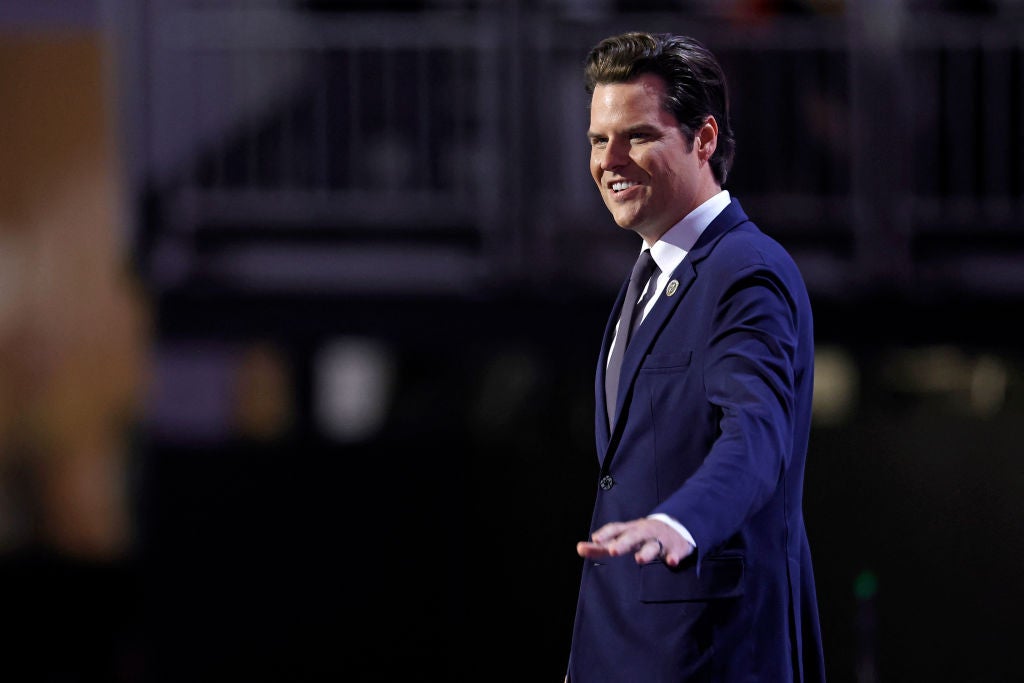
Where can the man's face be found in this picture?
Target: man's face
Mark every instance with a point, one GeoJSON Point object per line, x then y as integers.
{"type": "Point", "coordinates": [647, 174]}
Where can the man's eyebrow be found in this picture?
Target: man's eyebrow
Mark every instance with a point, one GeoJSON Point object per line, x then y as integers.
{"type": "Point", "coordinates": [639, 128]}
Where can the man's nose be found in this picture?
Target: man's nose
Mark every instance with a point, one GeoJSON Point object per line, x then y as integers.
{"type": "Point", "coordinates": [616, 154]}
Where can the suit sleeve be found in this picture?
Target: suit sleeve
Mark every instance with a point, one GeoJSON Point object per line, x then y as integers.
{"type": "Point", "coordinates": [748, 377]}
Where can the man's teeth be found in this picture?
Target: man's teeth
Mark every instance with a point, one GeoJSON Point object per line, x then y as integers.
{"type": "Point", "coordinates": [622, 185]}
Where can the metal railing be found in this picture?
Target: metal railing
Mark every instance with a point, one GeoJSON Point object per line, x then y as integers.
{"type": "Point", "coordinates": [288, 149]}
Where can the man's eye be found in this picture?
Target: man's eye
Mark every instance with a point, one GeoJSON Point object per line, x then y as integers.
{"type": "Point", "coordinates": [598, 142]}
{"type": "Point", "coordinates": [638, 137]}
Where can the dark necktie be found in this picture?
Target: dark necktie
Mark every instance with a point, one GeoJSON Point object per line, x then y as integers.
{"type": "Point", "coordinates": [628, 318]}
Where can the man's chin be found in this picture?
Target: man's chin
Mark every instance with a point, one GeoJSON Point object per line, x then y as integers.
{"type": "Point", "coordinates": [624, 219]}
{"type": "Point", "coordinates": [627, 222]}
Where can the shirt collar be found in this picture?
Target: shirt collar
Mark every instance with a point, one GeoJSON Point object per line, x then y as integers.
{"type": "Point", "coordinates": [669, 251]}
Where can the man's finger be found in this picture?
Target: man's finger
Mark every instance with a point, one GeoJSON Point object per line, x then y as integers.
{"type": "Point", "coordinates": [591, 550]}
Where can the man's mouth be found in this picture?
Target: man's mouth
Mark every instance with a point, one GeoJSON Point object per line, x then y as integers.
{"type": "Point", "coordinates": [622, 185]}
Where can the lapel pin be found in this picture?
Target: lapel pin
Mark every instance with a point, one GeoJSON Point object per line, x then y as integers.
{"type": "Point", "coordinates": [672, 287]}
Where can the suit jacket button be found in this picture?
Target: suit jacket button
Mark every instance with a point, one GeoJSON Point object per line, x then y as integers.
{"type": "Point", "coordinates": [606, 482]}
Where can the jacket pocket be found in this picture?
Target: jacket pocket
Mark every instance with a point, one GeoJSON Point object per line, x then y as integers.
{"type": "Point", "coordinates": [666, 361]}
{"type": "Point", "coordinates": [720, 577]}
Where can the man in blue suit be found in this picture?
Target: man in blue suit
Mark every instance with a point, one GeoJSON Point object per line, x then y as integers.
{"type": "Point", "coordinates": [698, 566]}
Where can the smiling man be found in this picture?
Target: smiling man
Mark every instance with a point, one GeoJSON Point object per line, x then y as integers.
{"type": "Point", "coordinates": [698, 566]}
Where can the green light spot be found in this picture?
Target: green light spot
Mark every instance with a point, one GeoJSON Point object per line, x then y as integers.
{"type": "Point", "coordinates": [865, 586]}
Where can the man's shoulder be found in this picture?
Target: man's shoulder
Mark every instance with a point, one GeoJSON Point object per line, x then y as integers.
{"type": "Point", "coordinates": [744, 235]}
{"type": "Point", "coordinates": [745, 245]}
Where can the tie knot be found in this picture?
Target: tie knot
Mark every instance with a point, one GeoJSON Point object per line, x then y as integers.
{"type": "Point", "coordinates": [643, 267]}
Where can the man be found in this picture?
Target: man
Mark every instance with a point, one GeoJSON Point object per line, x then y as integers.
{"type": "Point", "coordinates": [698, 566]}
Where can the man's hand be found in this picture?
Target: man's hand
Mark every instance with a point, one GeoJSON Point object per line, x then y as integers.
{"type": "Point", "coordinates": [647, 539]}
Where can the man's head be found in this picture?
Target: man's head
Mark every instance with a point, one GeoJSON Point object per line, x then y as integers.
{"type": "Point", "coordinates": [657, 112]}
{"type": "Point", "coordinates": [696, 86]}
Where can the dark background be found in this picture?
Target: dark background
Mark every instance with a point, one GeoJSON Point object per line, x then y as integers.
{"type": "Point", "coordinates": [373, 274]}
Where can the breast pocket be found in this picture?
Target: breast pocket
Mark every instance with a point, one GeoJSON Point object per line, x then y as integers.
{"type": "Point", "coordinates": [662, 362]}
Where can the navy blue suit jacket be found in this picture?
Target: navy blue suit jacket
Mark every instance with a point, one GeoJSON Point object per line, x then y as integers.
{"type": "Point", "coordinates": [713, 417]}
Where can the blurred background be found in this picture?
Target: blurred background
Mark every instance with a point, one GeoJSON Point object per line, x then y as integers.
{"type": "Point", "coordinates": [295, 383]}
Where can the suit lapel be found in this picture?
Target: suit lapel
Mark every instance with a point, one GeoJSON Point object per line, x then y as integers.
{"type": "Point", "coordinates": [601, 417]}
{"type": "Point", "coordinates": [685, 275]}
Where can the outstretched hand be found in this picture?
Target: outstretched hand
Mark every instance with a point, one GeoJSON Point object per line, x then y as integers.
{"type": "Point", "coordinates": [647, 539]}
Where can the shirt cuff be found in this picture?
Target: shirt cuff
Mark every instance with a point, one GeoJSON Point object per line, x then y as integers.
{"type": "Point", "coordinates": [680, 529]}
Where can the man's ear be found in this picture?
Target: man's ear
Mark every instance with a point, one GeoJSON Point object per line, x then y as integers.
{"type": "Point", "coordinates": [707, 138]}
